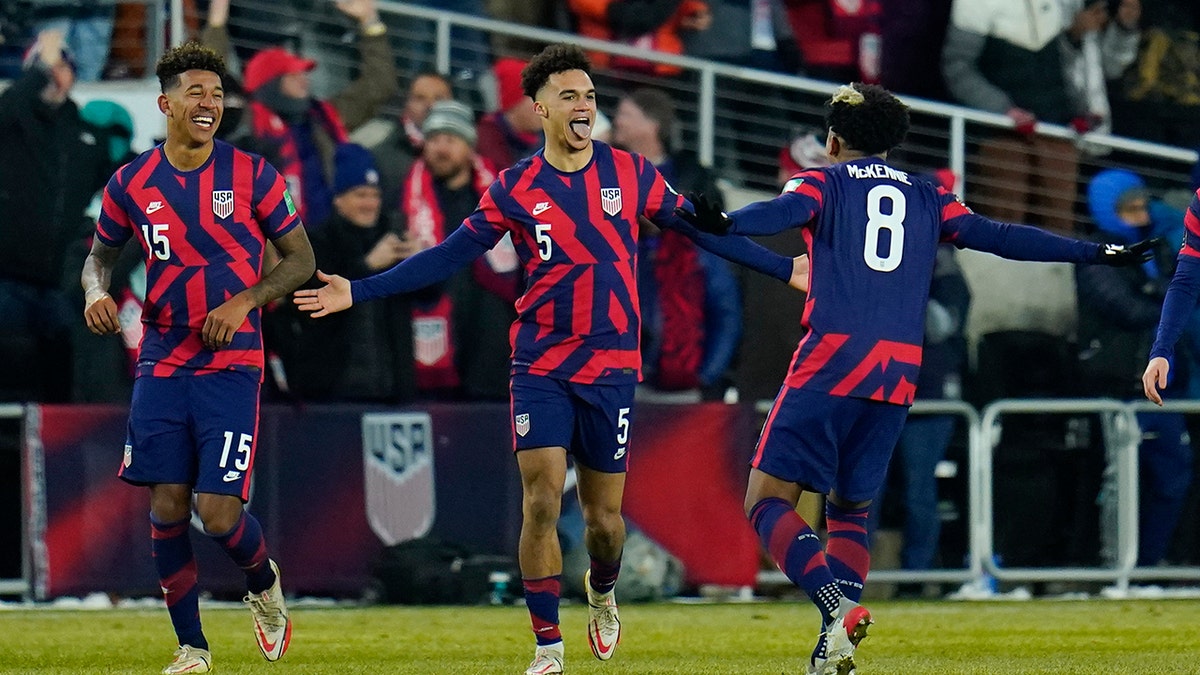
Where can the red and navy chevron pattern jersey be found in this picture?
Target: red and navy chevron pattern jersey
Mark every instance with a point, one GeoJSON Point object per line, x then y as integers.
{"type": "Point", "coordinates": [1191, 229]}
{"type": "Point", "coordinates": [872, 233]}
{"type": "Point", "coordinates": [576, 234]}
{"type": "Point", "coordinates": [203, 233]}
{"type": "Point", "coordinates": [1180, 302]}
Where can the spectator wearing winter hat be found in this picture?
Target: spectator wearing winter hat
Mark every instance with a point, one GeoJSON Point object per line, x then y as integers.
{"type": "Point", "coordinates": [51, 163]}
{"type": "Point", "coordinates": [1118, 315]}
{"type": "Point", "coordinates": [514, 131]}
{"type": "Point", "coordinates": [396, 142]}
{"type": "Point", "coordinates": [294, 130]}
{"type": "Point", "coordinates": [460, 336]}
{"type": "Point", "coordinates": [371, 355]}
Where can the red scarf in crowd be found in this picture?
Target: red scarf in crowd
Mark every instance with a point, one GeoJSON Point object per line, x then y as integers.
{"type": "Point", "coordinates": [269, 127]}
{"type": "Point", "coordinates": [433, 336]}
{"type": "Point", "coordinates": [680, 282]}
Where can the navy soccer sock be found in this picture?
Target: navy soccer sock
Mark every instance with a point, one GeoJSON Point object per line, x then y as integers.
{"type": "Point", "coordinates": [848, 550]}
{"type": "Point", "coordinates": [796, 549]}
{"type": "Point", "coordinates": [176, 565]}
{"type": "Point", "coordinates": [246, 547]}
{"type": "Point", "coordinates": [541, 598]}
{"type": "Point", "coordinates": [604, 575]}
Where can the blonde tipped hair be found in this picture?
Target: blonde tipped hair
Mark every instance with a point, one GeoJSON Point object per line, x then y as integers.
{"type": "Point", "coordinates": [848, 94]}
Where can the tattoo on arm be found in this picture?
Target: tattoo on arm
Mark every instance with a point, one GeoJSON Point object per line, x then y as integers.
{"type": "Point", "coordinates": [97, 268]}
{"type": "Point", "coordinates": [297, 264]}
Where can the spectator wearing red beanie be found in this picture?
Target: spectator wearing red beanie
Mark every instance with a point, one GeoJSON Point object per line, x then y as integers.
{"type": "Point", "coordinates": [514, 131]}
{"type": "Point", "coordinates": [297, 132]}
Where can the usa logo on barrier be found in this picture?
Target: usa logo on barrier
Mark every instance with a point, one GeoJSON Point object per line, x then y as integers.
{"type": "Point", "coordinates": [398, 474]}
{"type": "Point", "coordinates": [610, 200]}
{"type": "Point", "coordinates": [223, 203]}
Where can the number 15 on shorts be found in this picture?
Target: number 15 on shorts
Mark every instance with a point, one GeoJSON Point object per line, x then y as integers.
{"type": "Point", "coordinates": [622, 432]}
{"type": "Point", "coordinates": [241, 454]}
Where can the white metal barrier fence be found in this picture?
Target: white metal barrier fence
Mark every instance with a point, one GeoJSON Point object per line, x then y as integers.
{"type": "Point", "coordinates": [1121, 438]}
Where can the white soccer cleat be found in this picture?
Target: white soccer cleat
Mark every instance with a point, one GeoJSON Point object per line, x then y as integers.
{"type": "Point", "coordinates": [842, 635]}
{"type": "Point", "coordinates": [189, 659]}
{"type": "Point", "coordinates": [604, 626]}
{"type": "Point", "coordinates": [272, 626]}
{"type": "Point", "coordinates": [547, 660]}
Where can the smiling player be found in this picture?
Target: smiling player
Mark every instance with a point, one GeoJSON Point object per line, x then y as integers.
{"type": "Point", "coordinates": [203, 212]}
{"type": "Point", "coordinates": [572, 210]}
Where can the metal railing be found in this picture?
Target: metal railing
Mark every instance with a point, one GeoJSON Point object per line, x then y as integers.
{"type": "Point", "coordinates": [707, 73]}
{"type": "Point", "coordinates": [1120, 433]}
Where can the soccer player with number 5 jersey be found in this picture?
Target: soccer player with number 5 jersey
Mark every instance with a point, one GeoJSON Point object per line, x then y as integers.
{"type": "Point", "coordinates": [572, 210]}
{"type": "Point", "coordinates": [872, 233]}
{"type": "Point", "coordinates": [203, 213]}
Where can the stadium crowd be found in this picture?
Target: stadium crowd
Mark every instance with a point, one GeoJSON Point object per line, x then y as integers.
{"type": "Point", "coordinates": [396, 155]}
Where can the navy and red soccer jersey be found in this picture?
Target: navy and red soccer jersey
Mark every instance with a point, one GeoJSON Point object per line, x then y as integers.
{"type": "Point", "coordinates": [872, 234]}
{"type": "Point", "coordinates": [203, 233]}
{"type": "Point", "coordinates": [1191, 229]}
{"type": "Point", "coordinates": [1180, 302]}
{"type": "Point", "coordinates": [576, 234]}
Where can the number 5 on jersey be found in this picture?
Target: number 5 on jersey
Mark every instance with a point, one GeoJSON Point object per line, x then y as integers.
{"type": "Point", "coordinates": [545, 246]}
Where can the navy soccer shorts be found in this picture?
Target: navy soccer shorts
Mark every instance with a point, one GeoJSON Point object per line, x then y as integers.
{"type": "Point", "coordinates": [590, 420]}
{"type": "Point", "coordinates": [198, 430]}
{"type": "Point", "coordinates": [825, 442]}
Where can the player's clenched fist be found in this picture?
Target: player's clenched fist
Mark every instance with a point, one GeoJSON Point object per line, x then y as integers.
{"type": "Point", "coordinates": [221, 323]}
{"type": "Point", "coordinates": [101, 314]}
{"type": "Point", "coordinates": [334, 296]}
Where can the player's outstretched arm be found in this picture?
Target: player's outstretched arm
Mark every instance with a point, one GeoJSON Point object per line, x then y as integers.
{"type": "Point", "coordinates": [735, 249]}
{"type": "Point", "coordinates": [296, 265]}
{"type": "Point", "coordinates": [1177, 309]}
{"type": "Point", "coordinates": [788, 210]}
{"type": "Point", "coordinates": [100, 310]}
{"type": "Point", "coordinates": [431, 266]}
{"type": "Point", "coordinates": [1023, 242]}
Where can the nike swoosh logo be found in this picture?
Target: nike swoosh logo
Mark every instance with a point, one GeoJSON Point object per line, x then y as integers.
{"type": "Point", "coordinates": [154, 206]}
{"type": "Point", "coordinates": [267, 645]}
{"type": "Point", "coordinates": [541, 207]}
{"type": "Point", "coordinates": [601, 648]}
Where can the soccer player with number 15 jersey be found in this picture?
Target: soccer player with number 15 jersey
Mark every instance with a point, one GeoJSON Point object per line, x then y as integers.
{"type": "Point", "coordinates": [203, 212]}
{"type": "Point", "coordinates": [572, 210]}
{"type": "Point", "coordinates": [872, 233]}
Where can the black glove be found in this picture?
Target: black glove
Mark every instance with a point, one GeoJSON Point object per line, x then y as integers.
{"type": "Point", "coordinates": [708, 216]}
{"type": "Point", "coordinates": [1119, 255]}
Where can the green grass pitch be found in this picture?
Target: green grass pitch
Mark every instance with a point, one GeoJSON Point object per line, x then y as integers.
{"type": "Point", "coordinates": [909, 638]}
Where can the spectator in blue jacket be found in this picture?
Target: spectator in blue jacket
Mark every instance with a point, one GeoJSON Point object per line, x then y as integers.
{"type": "Point", "coordinates": [1118, 312]}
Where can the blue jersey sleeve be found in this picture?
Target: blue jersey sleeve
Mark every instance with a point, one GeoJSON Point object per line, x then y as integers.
{"type": "Point", "coordinates": [800, 201]}
{"type": "Point", "coordinates": [1177, 306]}
{"type": "Point", "coordinates": [735, 249]}
{"type": "Point", "coordinates": [428, 267]}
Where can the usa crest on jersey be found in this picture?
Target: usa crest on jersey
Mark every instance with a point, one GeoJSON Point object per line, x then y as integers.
{"type": "Point", "coordinates": [223, 203]}
{"type": "Point", "coordinates": [610, 200]}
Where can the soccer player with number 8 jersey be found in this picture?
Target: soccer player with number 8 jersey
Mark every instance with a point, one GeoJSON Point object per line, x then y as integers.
{"type": "Point", "coordinates": [203, 213]}
{"type": "Point", "coordinates": [872, 233]}
{"type": "Point", "coordinates": [572, 210]}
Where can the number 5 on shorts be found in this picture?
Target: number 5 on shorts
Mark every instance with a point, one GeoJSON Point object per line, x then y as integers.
{"type": "Point", "coordinates": [622, 432]}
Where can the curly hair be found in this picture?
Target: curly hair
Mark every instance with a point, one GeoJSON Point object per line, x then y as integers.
{"type": "Point", "coordinates": [868, 117]}
{"type": "Point", "coordinates": [188, 56]}
{"type": "Point", "coordinates": [556, 58]}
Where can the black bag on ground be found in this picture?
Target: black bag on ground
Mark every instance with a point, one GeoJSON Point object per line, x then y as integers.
{"type": "Point", "coordinates": [428, 571]}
